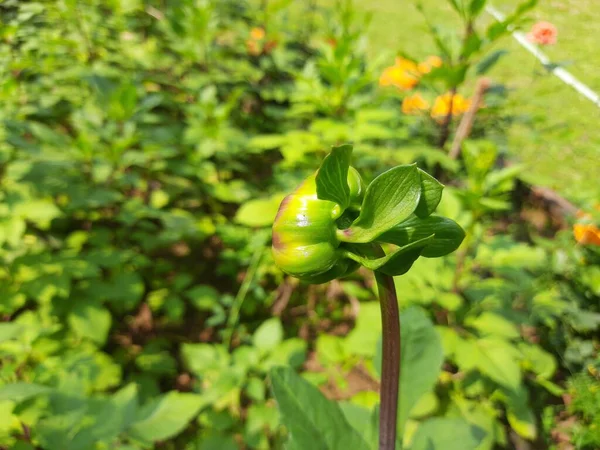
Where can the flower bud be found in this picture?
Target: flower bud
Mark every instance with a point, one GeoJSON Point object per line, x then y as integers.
{"type": "Point", "coordinates": [304, 233]}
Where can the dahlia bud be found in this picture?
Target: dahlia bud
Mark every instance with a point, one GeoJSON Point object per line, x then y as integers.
{"type": "Point", "coordinates": [305, 242]}
{"type": "Point", "coordinates": [331, 224]}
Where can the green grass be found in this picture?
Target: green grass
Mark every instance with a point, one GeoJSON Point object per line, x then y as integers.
{"type": "Point", "coordinates": [562, 144]}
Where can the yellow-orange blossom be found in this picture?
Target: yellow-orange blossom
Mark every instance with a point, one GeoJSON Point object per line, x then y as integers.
{"type": "Point", "coordinates": [257, 33]}
{"type": "Point", "coordinates": [443, 103]}
{"type": "Point", "coordinates": [429, 63]}
{"type": "Point", "coordinates": [414, 104]}
{"type": "Point", "coordinates": [587, 233]}
{"type": "Point", "coordinates": [404, 74]}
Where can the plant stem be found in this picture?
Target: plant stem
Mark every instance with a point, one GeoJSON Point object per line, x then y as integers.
{"type": "Point", "coordinates": [236, 307]}
{"type": "Point", "coordinates": [390, 361]}
{"type": "Point", "coordinates": [465, 125]}
{"type": "Point", "coordinates": [445, 127]}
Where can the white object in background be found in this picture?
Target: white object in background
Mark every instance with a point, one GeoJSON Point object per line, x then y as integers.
{"type": "Point", "coordinates": [561, 73]}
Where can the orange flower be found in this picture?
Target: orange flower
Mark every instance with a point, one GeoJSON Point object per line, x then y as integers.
{"type": "Point", "coordinates": [543, 33]}
{"type": "Point", "coordinates": [257, 33]}
{"type": "Point", "coordinates": [586, 234]}
{"type": "Point", "coordinates": [442, 104]}
{"type": "Point", "coordinates": [429, 63]}
{"type": "Point", "coordinates": [404, 74]}
{"type": "Point", "coordinates": [413, 104]}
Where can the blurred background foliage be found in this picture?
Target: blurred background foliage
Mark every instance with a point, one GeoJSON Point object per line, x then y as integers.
{"type": "Point", "coordinates": [144, 150]}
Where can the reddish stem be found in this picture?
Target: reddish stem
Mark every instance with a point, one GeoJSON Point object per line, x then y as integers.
{"type": "Point", "coordinates": [390, 361]}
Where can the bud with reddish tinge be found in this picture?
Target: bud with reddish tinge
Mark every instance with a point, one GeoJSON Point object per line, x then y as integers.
{"type": "Point", "coordinates": [331, 224]}
{"type": "Point", "coordinates": [305, 244]}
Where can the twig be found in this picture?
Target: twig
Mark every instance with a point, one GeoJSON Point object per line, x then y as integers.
{"type": "Point", "coordinates": [552, 197]}
{"type": "Point", "coordinates": [26, 432]}
{"type": "Point", "coordinates": [464, 128]}
{"type": "Point", "coordinates": [390, 356]}
{"type": "Point", "coordinates": [284, 292]}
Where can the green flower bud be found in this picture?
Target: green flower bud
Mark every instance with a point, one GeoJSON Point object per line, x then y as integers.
{"type": "Point", "coordinates": [331, 223]}
{"type": "Point", "coordinates": [305, 244]}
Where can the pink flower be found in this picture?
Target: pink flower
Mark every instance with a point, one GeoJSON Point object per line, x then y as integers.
{"type": "Point", "coordinates": [543, 33]}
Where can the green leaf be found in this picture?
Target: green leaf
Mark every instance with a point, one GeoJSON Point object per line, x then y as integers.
{"type": "Point", "coordinates": [426, 406]}
{"type": "Point", "coordinates": [332, 176]}
{"type": "Point", "coordinates": [40, 212]}
{"type": "Point", "coordinates": [421, 356]}
{"type": "Point", "coordinates": [125, 290]}
{"type": "Point", "coordinates": [291, 352]}
{"type": "Point", "coordinates": [125, 402]}
{"type": "Point", "coordinates": [59, 429]}
{"type": "Point", "coordinates": [476, 6]}
{"type": "Point", "coordinates": [396, 262]}
{"type": "Point", "coordinates": [18, 392]}
{"type": "Point", "coordinates": [454, 76]}
{"type": "Point", "coordinates": [313, 421]}
{"type": "Point", "coordinates": [204, 297]}
{"type": "Point", "coordinates": [471, 45]}
{"type": "Point", "coordinates": [523, 8]}
{"type": "Point", "coordinates": [447, 434]}
{"type": "Point", "coordinates": [159, 199]}
{"type": "Point", "coordinates": [259, 212]}
{"type": "Point", "coordinates": [389, 200]}
{"type": "Point", "coordinates": [330, 350]}
{"type": "Point", "coordinates": [217, 442]}
{"type": "Point", "coordinates": [362, 340]}
{"type": "Point", "coordinates": [447, 235]}
{"type": "Point", "coordinates": [400, 263]}
{"type": "Point", "coordinates": [266, 142]}
{"type": "Point", "coordinates": [9, 331]}
{"type": "Point", "coordinates": [22, 445]}
{"type": "Point", "coordinates": [493, 357]}
{"type": "Point", "coordinates": [551, 387]}
{"type": "Point", "coordinates": [479, 412]}
{"type": "Point", "coordinates": [455, 5]}
{"type": "Point", "coordinates": [235, 191]}
{"type": "Point", "coordinates": [492, 324]}
{"type": "Point", "coordinates": [449, 300]}
{"type": "Point", "coordinates": [489, 61]}
{"type": "Point", "coordinates": [431, 194]}
{"type": "Point", "coordinates": [104, 420]}
{"type": "Point", "coordinates": [156, 361]}
{"type": "Point", "coordinates": [497, 30]}
{"type": "Point", "coordinates": [537, 360]}
{"type": "Point", "coordinates": [91, 321]}
{"type": "Point", "coordinates": [268, 335]}
{"type": "Point", "coordinates": [519, 415]}
{"type": "Point", "coordinates": [363, 420]}
{"type": "Point", "coordinates": [496, 179]}
{"type": "Point", "coordinates": [165, 416]}
{"type": "Point", "coordinates": [202, 359]}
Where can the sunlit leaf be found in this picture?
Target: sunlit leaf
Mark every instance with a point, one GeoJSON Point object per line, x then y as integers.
{"type": "Point", "coordinates": [390, 199]}
{"type": "Point", "coordinates": [332, 177]}
{"type": "Point", "coordinates": [312, 420]}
